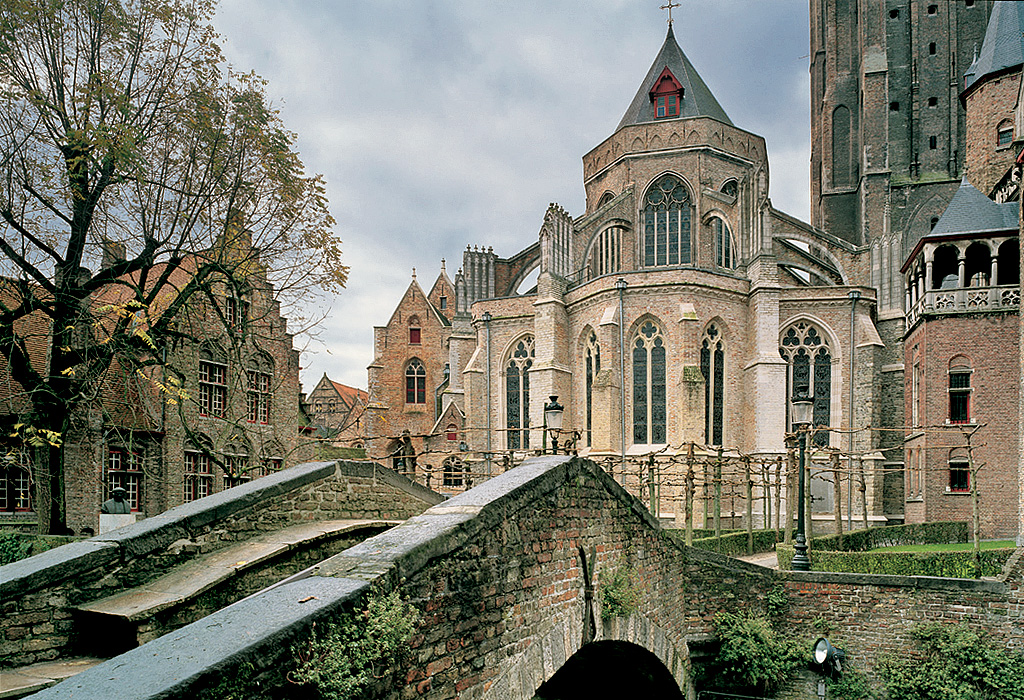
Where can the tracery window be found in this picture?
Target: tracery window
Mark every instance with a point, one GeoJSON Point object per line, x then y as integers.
{"type": "Point", "coordinates": [593, 366]}
{"type": "Point", "coordinates": [731, 188]}
{"type": "Point", "coordinates": [517, 394]}
{"type": "Point", "coordinates": [415, 383]}
{"type": "Point", "coordinates": [666, 217]}
{"type": "Point", "coordinates": [807, 351]}
{"type": "Point", "coordinates": [452, 472]}
{"type": "Point", "coordinates": [649, 398]}
{"type": "Point", "coordinates": [15, 480]}
{"type": "Point", "coordinates": [605, 258]}
{"type": "Point", "coordinates": [723, 244]}
{"type": "Point", "coordinates": [124, 470]}
{"type": "Point", "coordinates": [712, 366]}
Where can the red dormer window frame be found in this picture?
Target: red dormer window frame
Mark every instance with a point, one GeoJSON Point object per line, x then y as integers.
{"type": "Point", "coordinates": [666, 96]}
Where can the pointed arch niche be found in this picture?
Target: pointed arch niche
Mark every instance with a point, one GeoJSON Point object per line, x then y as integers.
{"type": "Point", "coordinates": [592, 363]}
{"type": "Point", "coordinates": [712, 366]}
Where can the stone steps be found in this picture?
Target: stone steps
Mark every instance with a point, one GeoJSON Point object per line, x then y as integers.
{"type": "Point", "coordinates": [123, 615]}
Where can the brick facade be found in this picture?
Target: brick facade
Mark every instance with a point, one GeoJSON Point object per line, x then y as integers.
{"type": "Point", "coordinates": [243, 422]}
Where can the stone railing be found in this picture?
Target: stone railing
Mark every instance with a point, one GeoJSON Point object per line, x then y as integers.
{"type": "Point", "coordinates": [965, 300]}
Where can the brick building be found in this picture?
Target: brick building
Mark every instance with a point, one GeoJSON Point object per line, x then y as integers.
{"type": "Point", "coordinates": [962, 283]}
{"type": "Point", "coordinates": [336, 412]}
{"type": "Point", "coordinates": [414, 418]}
{"type": "Point", "coordinates": [236, 416]}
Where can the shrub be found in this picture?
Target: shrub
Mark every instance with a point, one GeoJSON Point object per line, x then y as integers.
{"type": "Point", "coordinates": [734, 543]}
{"type": "Point", "coordinates": [620, 594]}
{"type": "Point", "coordinates": [353, 652]}
{"type": "Point", "coordinates": [15, 546]}
{"type": "Point", "coordinates": [954, 663]}
{"type": "Point", "coordinates": [753, 657]}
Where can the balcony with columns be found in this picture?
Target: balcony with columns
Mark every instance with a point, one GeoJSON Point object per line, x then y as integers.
{"type": "Point", "coordinates": [970, 275]}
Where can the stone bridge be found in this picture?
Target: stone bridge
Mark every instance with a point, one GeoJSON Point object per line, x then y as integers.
{"type": "Point", "coordinates": [500, 576]}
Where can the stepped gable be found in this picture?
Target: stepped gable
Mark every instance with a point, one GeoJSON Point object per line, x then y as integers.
{"type": "Point", "coordinates": [697, 98]}
{"type": "Point", "coordinates": [1003, 47]}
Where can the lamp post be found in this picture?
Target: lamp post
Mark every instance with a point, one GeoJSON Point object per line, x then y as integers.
{"type": "Point", "coordinates": [803, 407]}
{"type": "Point", "coordinates": [486, 318]}
{"type": "Point", "coordinates": [620, 286]}
{"type": "Point", "coordinates": [553, 422]}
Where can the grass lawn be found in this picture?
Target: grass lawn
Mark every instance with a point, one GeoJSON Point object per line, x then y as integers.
{"type": "Point", "coordinates": [966, 546]}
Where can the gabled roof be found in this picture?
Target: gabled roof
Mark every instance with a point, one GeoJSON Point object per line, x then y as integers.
{"type": "Point", "coordinates": [349, 394]}
{"type": "Point", "coordinates": [697, 98]}
{"type": "Point", "coordinates": [970, 211]}
{"type": "Point", "coordinates": [1003, 47]}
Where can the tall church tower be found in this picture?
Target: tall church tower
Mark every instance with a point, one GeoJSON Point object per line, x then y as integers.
{"type": "Point", "coordinates": [887, 125]}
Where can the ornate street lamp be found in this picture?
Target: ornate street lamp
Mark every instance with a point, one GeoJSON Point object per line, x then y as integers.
{"type": "Point", "coordinates": [553, 421]}
{"type": "Point", "coordinates": [803, 408]}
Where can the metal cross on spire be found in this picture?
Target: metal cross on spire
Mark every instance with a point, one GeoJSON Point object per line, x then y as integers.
{"type": "Point", "coordinates": [669, 7]}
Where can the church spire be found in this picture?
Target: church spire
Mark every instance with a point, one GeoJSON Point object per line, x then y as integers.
{"type": "Point", "coordinates": [696, 99]}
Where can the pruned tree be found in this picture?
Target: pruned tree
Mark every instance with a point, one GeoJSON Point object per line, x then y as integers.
{"type": "Point", "coordinates": [137, 174]}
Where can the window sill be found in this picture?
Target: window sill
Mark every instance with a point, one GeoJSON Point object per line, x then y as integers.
{"type": "Point", "coordinates": [950, 492]}
{"type": "Point", "coordinates": [914, 500]}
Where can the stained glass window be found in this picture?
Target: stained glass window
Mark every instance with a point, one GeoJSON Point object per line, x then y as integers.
{"type": "Point", "coordinates": [517, 394]}
{"type": "Point", "coordinates": [649, 398]}
{"type": "Point", "coordinates": [809, 356]}
{"type": "Point", "coordinates": [712, 366]}
{"type": "Point", "coordinates": [666, 221]}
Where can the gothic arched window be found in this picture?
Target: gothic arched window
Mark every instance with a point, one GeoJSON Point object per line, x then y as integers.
{"type": "Point", "coordinates": [666, 217]}
{"type": "Point", "coordinates": [517, 394]}
{"type": "Point", "coordinates": [593, 364]}
{"type": "Point", "coordinates": [807, 351]}
{"type": "Point", "coordinates": [724, 256]}
{"type": "Point", "coordinates": [452, 472]}
{"type": "Point", "coordinates": [649, 401]}
{"type": "Point", "coordinates": [415, 383]}
{"type": "Point", "coordinates": [712, 366]}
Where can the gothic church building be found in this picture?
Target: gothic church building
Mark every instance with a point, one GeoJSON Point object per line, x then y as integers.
{"type": "Point", "coordinates": [680, 307]}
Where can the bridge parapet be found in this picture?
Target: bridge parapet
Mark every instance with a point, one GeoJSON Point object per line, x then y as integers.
{"type": "Point", "coordinates": [495, 572]}
{"type": "Point", "coordinates": [38, 593]}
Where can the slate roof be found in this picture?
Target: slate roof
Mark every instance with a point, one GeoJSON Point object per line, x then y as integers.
{"type": "Point", "coordinates": [970, 211]}
{"type": "Point", "coordinates": [697, 98]}
{"type": "Point", "coordinates": [1004, 42]}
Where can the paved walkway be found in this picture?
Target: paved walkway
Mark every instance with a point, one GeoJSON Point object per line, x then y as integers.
{"type": "Point", "coordinates": [769, 560]}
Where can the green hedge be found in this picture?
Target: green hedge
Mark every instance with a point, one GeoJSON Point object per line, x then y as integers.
{"type": "Point", "coordinates": [895, 536]}
{"type": "Point", "coordinates": [733, 544]}
{"type": "Point", "coordinates": [946, 564]}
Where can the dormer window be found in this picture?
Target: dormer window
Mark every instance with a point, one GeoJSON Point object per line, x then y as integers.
{"type": "Point", "coordinates": [667, 96]}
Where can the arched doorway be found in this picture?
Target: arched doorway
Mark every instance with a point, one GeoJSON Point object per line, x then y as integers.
{"type": "Point", "coordinates": [611, 669]}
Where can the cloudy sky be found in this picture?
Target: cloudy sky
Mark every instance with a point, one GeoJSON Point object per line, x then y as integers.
{"type": "Point", "coordinates": [439, 124]}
